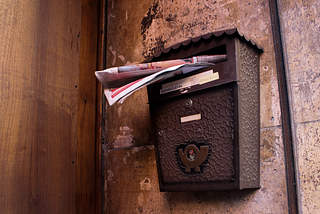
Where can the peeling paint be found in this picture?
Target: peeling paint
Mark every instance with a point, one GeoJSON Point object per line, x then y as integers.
{"type": "Point", "coordinates": [151, 147]}
{"type": "Point", "coordinates": [130, 63]}
{"type": "Point", "coordinates": [114, 55]}
{"type": "Point", "coordinates": [119, 111]}
{"type": "Point", "coordinates": [122, 58]}
{"type": "Point", "coordinates": [140, 199]}
{"type": "Point", "coordinates": [135, 149]}
{"type": "Point", "coordinates": [125, 129]}
{"type": "Point", "coordinates": [124, 140]}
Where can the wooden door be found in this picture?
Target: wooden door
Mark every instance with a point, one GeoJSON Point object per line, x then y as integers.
{"type": "Point", "coordinates": [47, 106]}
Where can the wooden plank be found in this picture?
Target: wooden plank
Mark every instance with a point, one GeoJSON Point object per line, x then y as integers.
{"type": "Point", "coordinates": [86, 188]}
{"type": "Point", "coordinates": [100, 106]}
{"type": "Point", "coordinates": [39, 87]}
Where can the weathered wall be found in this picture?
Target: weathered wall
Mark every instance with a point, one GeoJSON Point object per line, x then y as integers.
{"type": "Point", "coordinates": [137, 29]}
{"type": "Point", "coordinates": [300, 24]}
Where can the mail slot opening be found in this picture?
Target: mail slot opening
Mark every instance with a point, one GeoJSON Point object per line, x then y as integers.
{"type": "Point", "coordinates": [220, 50]}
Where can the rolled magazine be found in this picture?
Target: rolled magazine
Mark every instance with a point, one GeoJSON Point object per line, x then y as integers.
{"type": "Point", "coordinates": [121, 82]}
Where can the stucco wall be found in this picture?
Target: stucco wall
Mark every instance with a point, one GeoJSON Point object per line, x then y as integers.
{"type": "Point", "coordinates": [300, 25]}
{"type": "Point", "coordinates": [137, 29]}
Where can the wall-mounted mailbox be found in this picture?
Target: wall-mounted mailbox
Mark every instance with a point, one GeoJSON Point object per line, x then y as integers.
{"type": "Point", "coordinates": [208, 133]}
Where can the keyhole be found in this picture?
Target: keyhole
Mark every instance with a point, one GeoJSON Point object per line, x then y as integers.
{"type": "Point", "coordinates": [188, 103]}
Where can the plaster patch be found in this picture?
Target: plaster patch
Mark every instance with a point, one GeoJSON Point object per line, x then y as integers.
{"type": "Point", "coordinates": [145, 184]}
{"type": "Point", "coordinates": [129, 63]}
{"type": "Point", "coordinates": [125, 157]}
{"type": "Point", "coordinates": [150, 147]}
{"type": "Point", "coordinates": [125, 139]}
{"type": "Point", "coordinates": [135, 149]}
{"type": "Point", "coordinates": [140, 199]}
{"type": "Point", "coordinates": [114, 55]}
{"type": "Point", "coordinates": [125, 129]}
{"type": "Point", "coordinates": [122, 58]}
{"type": "Point", "coordinates": [119, 111]}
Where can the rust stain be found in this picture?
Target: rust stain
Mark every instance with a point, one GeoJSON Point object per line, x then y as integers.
{"type": "Point", "coordinates": [153, 13]}
{"type": "Point", "coordinates": [156, 46]}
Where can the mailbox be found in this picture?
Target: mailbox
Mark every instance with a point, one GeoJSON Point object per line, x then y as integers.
{"type": "Point", "coordinates": [208, 132]}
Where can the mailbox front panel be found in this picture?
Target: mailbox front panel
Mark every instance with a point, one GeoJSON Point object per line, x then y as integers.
{"type": "Point", "coordinates": [197, 138]}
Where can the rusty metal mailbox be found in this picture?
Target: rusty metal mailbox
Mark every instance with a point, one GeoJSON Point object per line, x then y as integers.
{"type": "Point", "coordinates": [208, 134]}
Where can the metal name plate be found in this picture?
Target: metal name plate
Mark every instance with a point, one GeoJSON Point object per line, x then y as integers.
{"type": "Point", "coordinates": [198, 79]}
{"type": "Point", "coordinates": [190, 118]}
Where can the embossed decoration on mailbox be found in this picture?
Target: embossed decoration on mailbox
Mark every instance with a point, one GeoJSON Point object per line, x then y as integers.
{"type": "Point", "coordinates": [208, 134]}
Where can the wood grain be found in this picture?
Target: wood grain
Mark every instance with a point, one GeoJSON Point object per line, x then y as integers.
{"type": "Point", "coordinates": [86, 193]}
{"type": "Point", "coordinates": [40, 150]}
{"type": "Point", "coordinates": [100, 106]}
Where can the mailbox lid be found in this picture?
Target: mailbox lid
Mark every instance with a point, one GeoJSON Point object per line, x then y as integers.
{"type": "Point", "coordinates": [203, 45]}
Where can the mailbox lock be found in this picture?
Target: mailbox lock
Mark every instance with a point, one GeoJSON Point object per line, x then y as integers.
{"type": "Point", "coordinates": [188, 103]}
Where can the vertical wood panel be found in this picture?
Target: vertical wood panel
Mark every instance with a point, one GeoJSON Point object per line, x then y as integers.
{"type": "Point", "coordinates": [39, 91]}
{"type": "Point", "coordinates": [102, 37]}
{"type": "Point", "coordinates": [86, 193]}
